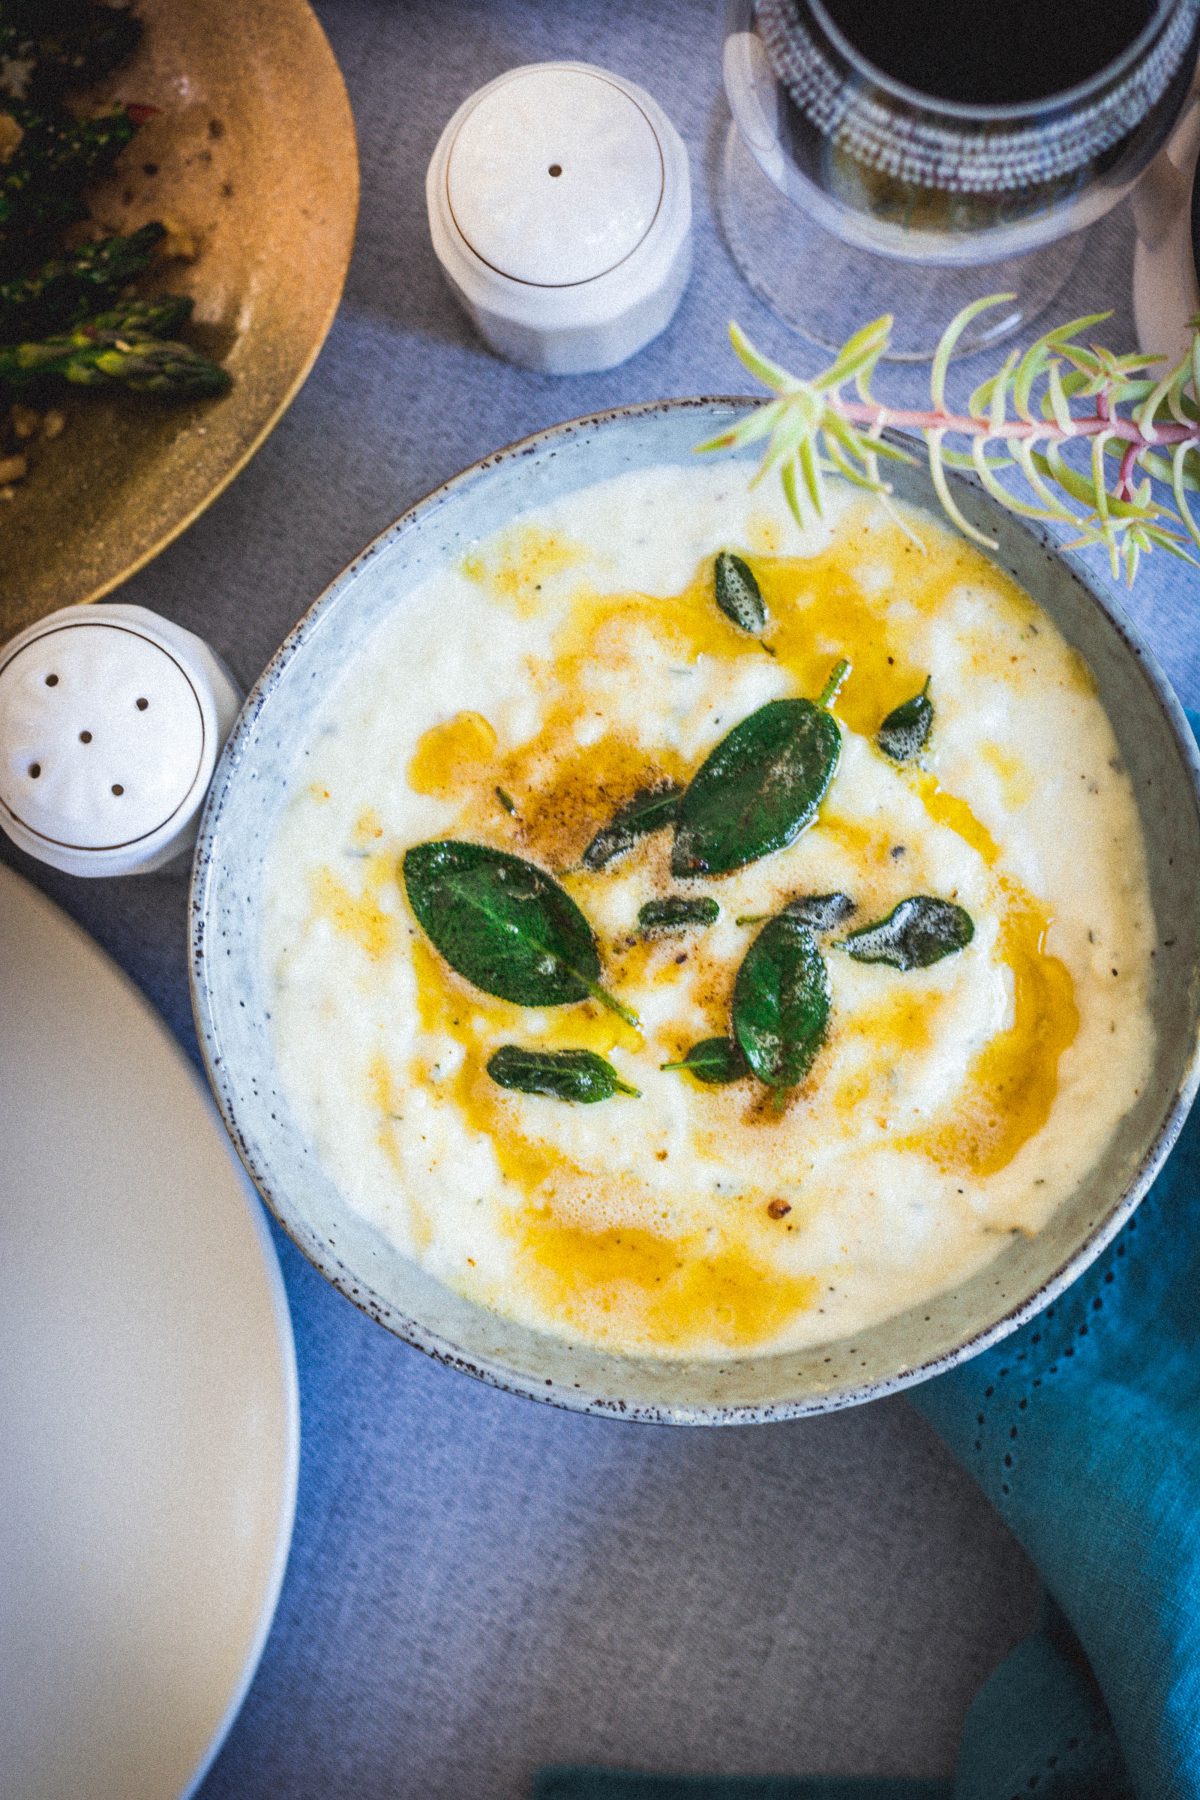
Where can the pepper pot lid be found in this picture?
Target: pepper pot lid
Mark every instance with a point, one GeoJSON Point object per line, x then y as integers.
{"type": "Point", "coordinates": [555, 176]}
{"type": "Point", "coordinates": [560, 209]}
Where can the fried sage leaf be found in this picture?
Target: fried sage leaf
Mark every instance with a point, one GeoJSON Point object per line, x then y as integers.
{"type": "Point", "coordinates": [505, 925]}
{"type": "Point", "coordinates": [820, 912]}
{"type": "Point", "coordinates": [715, 1061]}
{"type": "Point", "coordinates": [578, 1075]}
{"type": "Point", "coordinates": [905, 731]}
{"type": "Point", "coordinates": [915, 934]}
{"type": "Point", "coordinates": [737, 592]}
{"type": "Point", "coordinates": [651, 810]}
{"type": "Point", "coordinates": [676, 913]}
{"type": "Point", "coordinates": [758, 789]}
{"type": "Point", "coordinates": [781, 1001]}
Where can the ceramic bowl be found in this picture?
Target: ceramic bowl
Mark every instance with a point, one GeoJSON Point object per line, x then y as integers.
{"type": "Point", "coordinates": [231, 1002]}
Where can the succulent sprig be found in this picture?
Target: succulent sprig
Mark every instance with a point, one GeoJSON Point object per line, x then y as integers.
{"type": "Point", "coordinates": [1133, 429]}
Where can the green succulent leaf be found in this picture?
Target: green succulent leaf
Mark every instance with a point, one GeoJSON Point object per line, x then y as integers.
{"type": "Point", "coordinates": [653, 809]}
{"type": "Point", "coordinates": [905, 731]}
{"type": "Point", "coordinates": [916, 934]}
{"type": "Point", "coordinates": [758, 789]}
{"type": "Point", "coordinates": [781, 1002]}
{"type": "Point", "coordinates": [505, 925]}
{"type": "Point", "coordinates": [677, 912]}
{"type": "Point", "coordinates": [716, 1061]}
{"type": "Point", "coordinates": [578, 1075]}
{"type": "Point", "coordinates": [1058, 392]}
{"type": "Point", "coordinates": [737, 592]}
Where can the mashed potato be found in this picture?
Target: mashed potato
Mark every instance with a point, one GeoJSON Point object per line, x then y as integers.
{"type": "Point", "coordinates": [517, 700]}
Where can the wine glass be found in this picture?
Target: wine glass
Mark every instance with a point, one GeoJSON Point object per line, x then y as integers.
{"type": "Point", "coordinates": [845, 192]}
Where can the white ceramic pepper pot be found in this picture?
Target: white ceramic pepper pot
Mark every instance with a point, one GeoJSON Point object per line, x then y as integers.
{"type": "Point", "coordinates": [560, 210]}
{"type": "Point", "coordinates": [111, 722]}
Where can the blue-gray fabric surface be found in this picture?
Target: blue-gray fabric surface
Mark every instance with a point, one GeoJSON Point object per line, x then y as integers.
{"type": "Point", "coordinates": [478, 1585]}
{"type": "Point", "coordinates": [1082, 1429]}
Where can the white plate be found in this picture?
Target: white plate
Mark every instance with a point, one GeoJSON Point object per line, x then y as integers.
{"type": "Point", "coordinates": [148, 1403]}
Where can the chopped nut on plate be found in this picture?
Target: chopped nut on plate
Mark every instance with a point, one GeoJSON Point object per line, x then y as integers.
{"type": "Point", "coordinates": [10, 136]}
{"type": "Point", "coordinates": [181, 243]}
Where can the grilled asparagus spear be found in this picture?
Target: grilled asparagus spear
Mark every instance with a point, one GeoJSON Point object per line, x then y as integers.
{"type": "Point", "coordinates": [62, 315]}
{"type": "Point", "coordinates": [161, 316]}
{"type": "Point", "coordinates": [115, 358]}
{"type": "Point", "coordinates": [71, 285]}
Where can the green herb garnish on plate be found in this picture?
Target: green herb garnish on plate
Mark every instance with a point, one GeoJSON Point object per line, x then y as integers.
{"type": "Point", "coordinates": [781, 1002]}
{"type": "Point", "coordinates": [761, 785]}
{"type": "Point", "coordinates": [577, 1075]}
{"type": "Point", "coordinates": [905, 731]}
{"type": "Point", "coordinates": [653, 809]}
{"type": "Point", "coordinates": [738, 594]}
{"type": "Point", "coordinates": [715, 1061]}
{"type": "Point", "coordinates": [917, 933]}
{"type": "Point", "coordinates": [676, 912]}
{"type": "Point", "coordinates": [506, 925]}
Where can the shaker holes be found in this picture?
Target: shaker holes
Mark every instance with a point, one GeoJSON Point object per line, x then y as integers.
{"type": "Point", "coordinates": [556, 168]}
{"type": "Point", "coordinates": [85, 737]}
{"type": "Point", "coordinates": [117, 788]}
{"type": "Point", "coordinates": [35, 770]}
{"type": "Point", "coordinates": [52, 681]}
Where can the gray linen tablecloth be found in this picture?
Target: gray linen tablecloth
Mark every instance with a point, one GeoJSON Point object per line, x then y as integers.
{"type": "Point", "coordinates": [479, 1584]}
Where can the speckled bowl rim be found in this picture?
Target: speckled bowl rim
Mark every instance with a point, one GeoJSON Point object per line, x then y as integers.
{"type": "Point", "coordinates": [230, 769]}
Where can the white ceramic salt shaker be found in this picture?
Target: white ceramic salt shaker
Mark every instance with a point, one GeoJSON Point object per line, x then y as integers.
{"type": "Point", "coordinates": [111, 721]}
{"type": "Point", "coordinates": [560, 210]}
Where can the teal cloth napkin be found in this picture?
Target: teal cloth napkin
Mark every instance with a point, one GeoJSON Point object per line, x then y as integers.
{"type": "Point", "coordinates": [1083, 1429]}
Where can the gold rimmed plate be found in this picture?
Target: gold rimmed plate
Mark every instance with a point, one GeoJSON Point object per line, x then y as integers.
{"type": "Point", "coordinates": [252, 153]}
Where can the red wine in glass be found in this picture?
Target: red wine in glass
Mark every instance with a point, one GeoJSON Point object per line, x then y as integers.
{"type": "Point", "coordinates": [939, 135]}
{"type": "Point", "coordinates": [978, 53]}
